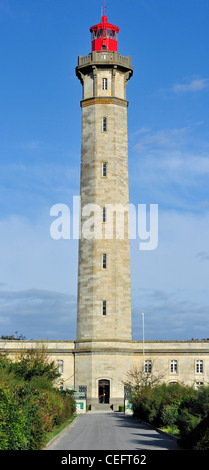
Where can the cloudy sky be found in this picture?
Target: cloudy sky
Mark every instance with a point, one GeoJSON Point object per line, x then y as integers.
{"type": "Point", "coordinates": [40, 131]}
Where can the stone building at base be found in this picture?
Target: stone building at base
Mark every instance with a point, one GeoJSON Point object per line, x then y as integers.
{"type": "Point", "coordinates": [103, 366]}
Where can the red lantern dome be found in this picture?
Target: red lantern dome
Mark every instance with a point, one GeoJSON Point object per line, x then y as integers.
{"type": "Point", "coordinates": [104, 36]}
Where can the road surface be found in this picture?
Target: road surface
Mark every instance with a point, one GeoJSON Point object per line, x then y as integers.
{"type": "Point", "coordinates": [111, 431]}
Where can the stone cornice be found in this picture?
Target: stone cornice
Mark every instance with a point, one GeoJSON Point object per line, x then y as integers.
{"type": "Point", "coordinates": [104, 100]}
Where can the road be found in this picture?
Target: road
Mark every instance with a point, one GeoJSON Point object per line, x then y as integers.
{"type": "Point", "coordinates": [111, 431]}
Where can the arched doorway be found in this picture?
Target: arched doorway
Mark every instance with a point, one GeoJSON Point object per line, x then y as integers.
{"type": "Point", "coordinates": [104, 391]}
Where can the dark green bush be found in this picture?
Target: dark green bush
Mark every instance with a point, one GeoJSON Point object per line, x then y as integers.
{"type": "Point", "coordinates": [159, 405]}
{"type": "Point", "coordinates": [193, 419]}
{"type": "Point", "coordinates": [201, 435]}
{"type": "Point", "coordinates": [30, 407]}
{"type": "Point", "coordinates": [179, 406]}
{"type": "Point", "coordinates": [186, 422]}
{"type": "Point", "coordinates": [169, 415]}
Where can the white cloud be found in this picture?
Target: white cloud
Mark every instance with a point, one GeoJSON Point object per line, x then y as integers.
{"type": "Point", "coordinates": [171, 167]}
{"type": "Point", "coordinates": [161, 139]}
{"type": "Point", "coordinates": [30, 258]}
{"type": "Point", "coordinates": [203, 256]}
{"type": "Point", "coordinates": [170, 284]}
{"type": "Point", "coordinates": [38, 314]}
{"type": "Point", "coordinates": [194, 86]}
{"type": "Point", "coordinates": [180, 316]}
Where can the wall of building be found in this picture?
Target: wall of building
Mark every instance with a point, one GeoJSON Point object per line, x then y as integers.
{"type": "Point", "coordinates": [87, 362]}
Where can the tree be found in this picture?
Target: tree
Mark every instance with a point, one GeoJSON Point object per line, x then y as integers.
{"type": "Point", "coordinates": [34, 362]}
{"type": "Point", "coordinates": [16, 336]}
{"type": "Point", "coordinates": [137, 379]}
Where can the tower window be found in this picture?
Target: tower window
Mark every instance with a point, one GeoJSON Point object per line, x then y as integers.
{"type": "Point", "coordinates": [174, 367]}
{"type": "Point", "coordinates": [104, 307]}
{"type": "Point", "coordinates": [104, 124]}
{"type": "Point", "coordinates": [104, 261]}
{"type": "Point", "coordinates": [104, 214]}
{"type": "Point", "coordinates": [104, 169]}
{"type": "Point", "coordinates": [104, 83]}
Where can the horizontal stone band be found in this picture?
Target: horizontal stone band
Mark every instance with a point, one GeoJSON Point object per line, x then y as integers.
{"type": "Point", "coordinates": [104, 100]}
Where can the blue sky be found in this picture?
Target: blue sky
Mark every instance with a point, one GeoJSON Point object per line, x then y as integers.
{"type": "Point", "coordinates": [40, 132]}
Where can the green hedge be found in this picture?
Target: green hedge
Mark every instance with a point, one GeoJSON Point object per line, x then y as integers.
{"type": "Point", "coordinates": [30, 406]}
{"type": "Point", "coordinates": [26, 414]}
{"type": "Point", "coordinates": [179, 406]}
{"type": "Point", "coordinates": [159, 404]}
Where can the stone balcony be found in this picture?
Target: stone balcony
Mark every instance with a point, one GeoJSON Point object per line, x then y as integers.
{"type": "Point", "coordinates": [105, 58]}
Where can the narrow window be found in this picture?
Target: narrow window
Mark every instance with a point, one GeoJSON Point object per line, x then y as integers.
{"type": "Point", "coordinates": [104, 83]}
{"type": "Point", "coordinates": [199, 367]}
{"type": "Point", "coordinates": [104, 307]}
{"type": "Point", "coordinates": [104, 169]}
{"type": "Point", "coordinates": [174, 367]}
{"type": "Point", "coordinates": [104, 124]}
{"type": "Point", "coordinates": [104, 214]}
{"type": "Point", "coordinates": [148, 367]}
{"type": "Point", "coordinates": [60, 366]}
{"type": "Point", "coordinates": [104, 261]}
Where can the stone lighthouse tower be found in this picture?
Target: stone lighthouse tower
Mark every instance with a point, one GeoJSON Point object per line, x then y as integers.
{"type": "Point", "coordinates": [104, 292]}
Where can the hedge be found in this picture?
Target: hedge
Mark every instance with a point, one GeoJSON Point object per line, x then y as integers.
{"type": "Point", "coordinates": [29, 408]}
{"type": "Point", "coordinates": [176, 405]}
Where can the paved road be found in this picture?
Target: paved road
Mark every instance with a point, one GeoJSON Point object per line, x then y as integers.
{"type": "Point", "coordinates": [111, 431]}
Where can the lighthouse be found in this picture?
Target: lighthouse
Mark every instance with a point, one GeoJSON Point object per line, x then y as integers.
{"type": "Point", "coordinates": [104, 290]}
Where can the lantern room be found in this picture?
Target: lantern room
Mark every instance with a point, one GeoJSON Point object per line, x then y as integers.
{"type": "Point", "coordinates": [104, 36]}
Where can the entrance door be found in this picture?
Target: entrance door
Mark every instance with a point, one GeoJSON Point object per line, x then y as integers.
{"type": "Point", "coordinates": [104, 391]}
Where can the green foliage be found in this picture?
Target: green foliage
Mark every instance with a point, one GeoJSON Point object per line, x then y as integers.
{"type": "Point", "coordinates": [193, 420]}
{"type": "Point", "coordinates": [201, 435]}
{"type": "Point", "coordinates": [34, 362]}
{"type": "Point", "coordinates": [16, 337]}
{"type": "Point", "coordinates": [4, 362]}
{"type": "Point", "coordinates": [169, 415]}
{"type": "Point", "coordinates": [159, 405]}
{"type": "Point", "coordinates": [30, 406]}
{"type": "Point", "coordinates": [175, 406]}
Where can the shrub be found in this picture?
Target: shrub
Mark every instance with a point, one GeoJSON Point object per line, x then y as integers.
{"type": "Point", "coordinates": [193, 420]}
{"type": "Point", "coordinates": [26, 414]}
{"type": "Point", "coordinates": [176, 406]}
{"type": "Point", "coordinates": [201, 436]}
{"type": "Point", "coordinates": [159, 405]}
{"type": "Point", "coordinates": [187, 422]}
{"type": "Point", "coordinates": [169, 415]}
{"type": "Point", "coordinates": [13, 418]}
{"type": "Point", "coordinates": [30, 406]}
{"type": "Point", "coordinates": [34, 363]}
